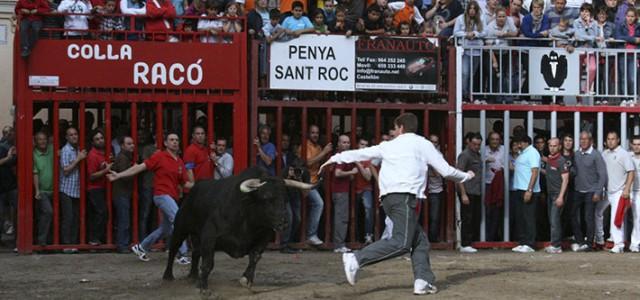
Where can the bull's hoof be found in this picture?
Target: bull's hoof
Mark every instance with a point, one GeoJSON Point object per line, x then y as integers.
{"type": "Point", "coordinates": [244, 281]}
{"type": "Point", "coordinates": [209, 295]}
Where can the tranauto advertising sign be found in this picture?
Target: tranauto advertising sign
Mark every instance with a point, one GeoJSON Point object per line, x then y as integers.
{"type": "Point", "coordinates": [554, 72]}
{"type": "Point", "coordinates": [313, 62]}
{"type": "Point", "coordinates": [338, 63]}
{"type": "Point", "coordinates": [396, 64]}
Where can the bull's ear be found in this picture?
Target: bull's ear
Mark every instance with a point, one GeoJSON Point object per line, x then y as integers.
{"type": "Point", "coordinates": [251, 185]}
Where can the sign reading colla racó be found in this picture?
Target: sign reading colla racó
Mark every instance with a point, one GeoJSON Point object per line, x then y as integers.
{"type": "Point", "coordinates": [312, 63]}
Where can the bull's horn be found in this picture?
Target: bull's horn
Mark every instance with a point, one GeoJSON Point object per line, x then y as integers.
{"type": "Point", "coordinates": [250, 185]}
{"type": "Point", "coordinates": [298, 184]}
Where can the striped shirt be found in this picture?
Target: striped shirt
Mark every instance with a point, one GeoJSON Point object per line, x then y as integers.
{"type": "Point", "coordinates": [69, 184]}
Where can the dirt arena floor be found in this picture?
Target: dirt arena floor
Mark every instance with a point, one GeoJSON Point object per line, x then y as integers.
{"type": "Point", "coordinates": [490, 274]}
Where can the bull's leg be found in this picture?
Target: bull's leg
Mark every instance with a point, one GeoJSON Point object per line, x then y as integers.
{"type": "Point", "coordinates": [207, 244]}
{"type": "Point", "coordinates": [178, 236]}
{"type": "Point", "coordinates": [247, 277]}
{"type": "Point", "coordinates": [195, 257]}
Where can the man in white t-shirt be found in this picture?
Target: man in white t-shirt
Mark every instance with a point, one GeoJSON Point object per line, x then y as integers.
{"type": "Point", "coordinates": [635, 196]}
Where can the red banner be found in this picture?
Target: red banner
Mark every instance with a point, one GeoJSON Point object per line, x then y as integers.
{"type": "Point", "coordinates": [135, 64]}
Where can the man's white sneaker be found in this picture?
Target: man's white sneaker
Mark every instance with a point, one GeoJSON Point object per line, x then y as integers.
{"type": "Point", "coordinates": [634, 249]}
{"type": "Point", "coordinates": [583, 248]}
{"type": "Point", "coordinates": [139, 252]}
{"type": "Point", "coordinates": [617, 250]}
{"type": "Point", "coordinates": [341, 250]}
{"type": "Point", "coordinates": [525, 249]}
{"type": "Point", "coordinates": [575, 247]}
{"type": "Point", "coordinates": [516, 248]}
{"type": "Point", "coordinates": [553, 250]}
{"type": "Point", "coordinates": [421, 287]}
{"type": "Point", "coordinates": [468, 249]}
{"type": "Point", "coordinates": [314, 241]}
{"type": "Point", "coordinates": [350, 267]}
{"type": "Point", "coordinates": [183, 260]}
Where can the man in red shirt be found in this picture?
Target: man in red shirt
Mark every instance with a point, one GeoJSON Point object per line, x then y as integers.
{"type": "Point", "coordinates": [169, 174]}
{"type": "Point", "coordinates": [97, 168]}
{"type": "Point", "coordinates": [343, 175]}
{"type": "Point", "coordinates": [364, 191]}
{"type": "Point", "coordinates": [198, 158]}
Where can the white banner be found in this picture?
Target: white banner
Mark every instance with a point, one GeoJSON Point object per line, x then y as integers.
{"type": "Point", "coordinates": [313, 62]}
{"type": "Point", "coordinates": [554, 72]}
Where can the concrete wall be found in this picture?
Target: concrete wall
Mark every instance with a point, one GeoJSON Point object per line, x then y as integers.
{"type": "Point", "coordinates": [7, 29]}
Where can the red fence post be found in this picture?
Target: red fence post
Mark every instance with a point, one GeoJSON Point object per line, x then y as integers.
{"type": "Point", "coordinates": [56, 173]}
{"type": "Point", "coordinates": [108, 154]}
{"type": "Point", "coordinates": [135, 196]}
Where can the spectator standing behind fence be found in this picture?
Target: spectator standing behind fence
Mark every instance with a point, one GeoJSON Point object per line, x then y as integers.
{"type": "Point", "coordinates": [273, 31]}
{"type": "Point", "coordinates": [623, 8]}
{"type": "Point", "coordinates": [620, 174]}
{"type": "Point", "coordinates": [329, 10]}
{"type": "Point", "coordinates": [469, 27]}
{"type": "Point", "coordinates": [77, 17]}
{"type": "Point", "coordinates": [340, 189]}
{"type": "Point", "coordinates": [266, 150]}
{"type": "Point", "coordinates": [198, 157]}
{"type": "Point", "coordinates": [223, 161]}
{"type": "Point", "coordinates": [30, 22]}
{"type": "Point", "coordinates": [43, 185]}
{"type": "Point", "coordinates": [527, 184]}
{"type": "Point", "coordinates": [70, 158]}
{"type": "Point", "coordinates": [137, 8]}
{"type": "Point", "coordinates": [231, 23]}
{"type": "Point", "coordinates": [560, 11]}
{"type": "Point", "coordinates": [590, 180]}
{"type": "Point", "coordinates": [503, 63]}
{"type": "Point", "coordinates": [315, 155]}
{"type": "Point", "coordinates": [97, 167]}
{"type": "Point", "coordinates": [354, 9]}
{"type": "Point", "coordinates": [318, 22]}
{"type": "Point", "coordinates": [494, 181]}
{"type": "Point", "coordinates": [562, 34]}
{"type": "Point", "coordinates": [108, 24]}
{"type": "Point", "coordinates": [634, 246]}
{"type": "Point", "coordinates": [444, 14]}
{"type": "Point", "coordinates": [405, 12]}
{"type": "Point", "coordinates": [170, 174]}
{"type": "Point", "coordinates": [294, 170]}
{"type": "Point", "coordinates": [515, 13]}
{"type": "Point", "coordinates": [489, 12]}
{"type": "Point", "coordinates": [536, 24]}
{"type": "Point", "coordinates": [159, 21]}
{"type": "Point", "coordinates": [340, 24]}
{"type": "Point", "coordinates": [470, 193]}
{"type": "Point", "coordinates": [297, 24]}
{"type": "Point", "coordinates": [628, 31]}
{"type": "Point", "coordinates": [568, 155]}
{"type": "Point", "coordinates": [586, 31]}
{"type": "Point", "coordinates": [8, 181]}
{"type": "Point", "coordinates": [210, 24]}
{"type": "Point", "coordinates": [435, 186]}
{"type": "Point", "coordinates": [557, 177]}
{"type": "Point", "coordinates": [364, 191]}
{"type": "Point", "coordinates": [373, 24]}
{"type": "Point", "coordinates": [257, 18]}
{"type": "Point", "coordinates": [122, 193]}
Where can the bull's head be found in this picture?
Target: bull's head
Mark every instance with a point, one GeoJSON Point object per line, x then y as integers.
{"type": "Point", "coordinates": [271, 194]}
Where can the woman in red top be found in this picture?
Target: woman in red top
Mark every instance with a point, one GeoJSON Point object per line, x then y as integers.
{"type": "Point", "coordinates": [30, 22]}
{"type": "Point", "coordinates": [169, 173]}
{"type": "Point", "coordinates": [160, 15]}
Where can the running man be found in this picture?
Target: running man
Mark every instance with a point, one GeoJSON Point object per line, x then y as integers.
{"type": "Point", "coordinates": [402, 174]}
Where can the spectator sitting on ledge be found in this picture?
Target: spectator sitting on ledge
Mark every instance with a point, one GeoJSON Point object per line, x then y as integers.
{"type": "Point", "coordinates": [297, 24]}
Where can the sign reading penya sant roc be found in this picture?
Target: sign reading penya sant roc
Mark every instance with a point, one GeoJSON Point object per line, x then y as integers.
{"type": "Point", "coordinates": [397, 64]}
{"type": "Point", "coordinates": [135, 64]}
{"type": "Point", "coordinates": [313, 62]}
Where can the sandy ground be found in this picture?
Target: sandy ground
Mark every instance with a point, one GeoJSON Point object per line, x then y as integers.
{"type": "Point", "coordinates": [490, 274]}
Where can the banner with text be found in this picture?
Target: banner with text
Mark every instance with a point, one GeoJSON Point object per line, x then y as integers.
{"type": "Point", "coordinates": [397, 64]}
{"type": "Point", "coordinates": [313, 62]}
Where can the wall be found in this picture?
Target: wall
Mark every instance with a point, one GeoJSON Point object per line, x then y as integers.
{"type": "Point", "coordinates": [6, 61]}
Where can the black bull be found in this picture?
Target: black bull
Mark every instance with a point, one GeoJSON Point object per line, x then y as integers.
{"type": "Point", "coordinates": [238, 215]}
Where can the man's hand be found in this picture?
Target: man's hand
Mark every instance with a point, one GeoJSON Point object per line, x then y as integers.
{"type": "Point", "coordinates": [626, 194]}
{"type": "Point", "coordinates": [82, 154]}
{"type": "Point", "coordinates": [256, 142]}
{"type": "Point", "coordinates": [559, 202]}
{"type": "Point", "coordinates": [213, 157]}
{"type": "Point", "coordinates": [108, 166]}
{"type": "Point", "coordinates": [527, 196]}
{"type": "Point", "coordinates": [326, 164]}
{"type": "Point", "coordinates": [37, 196]}
{"type": "Point", "coordinates": [112, 176]}
{"type": "Point", "coordinates": [596, 197]}
{"type": "Point", "coordinates": [12, 151]}
{"type": "Point", "coordinates": [327, 148]}
{"type": "Point", "coordinates": [470, 174]}
{"type": "Point", "coordinates": [465, 199]}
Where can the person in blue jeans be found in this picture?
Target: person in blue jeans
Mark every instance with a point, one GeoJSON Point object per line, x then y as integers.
{"type": "Point", "coordinates": [169, 177]}
{"type": "Point", "coordinates": [122, 190]}
{"type": "Point", "coordinates": [314, 156]}
{"type": "Point", "coordinates": [364, 191]}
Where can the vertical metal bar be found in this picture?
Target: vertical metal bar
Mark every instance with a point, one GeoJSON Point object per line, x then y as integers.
{"type": "Point", "coordinates": [327, 188]}
{"type": "Point", "coordinates": [24, 172]}
{"type": "Point", "coordinates": [352, 198]}
{"type": "Point", "coordinates": [279, 139]}
{"type": "Point", "coordinates": [134, 197]}
{"type": "Point", "coordinates": [623, 130]}
{"type": "Point", "coordinates": [483, 212]}
{"type": "Point", "coordinates": [576, 129]}
{"type": "Point", "coordinates": [507, 149]}
{"type": "Point", "coordinates": [636, 125]}
{"type": "Point", "coordinates": [186, 139]}
{"type": "Point", "coordinates": [426, 207]}
{"type": "Point", "coordinates": [83, 173]}
{"type": "Point", "coordinates": [56, 172]}
{"type": "Point", "coordinates": [159, 126]}
{"type": "Point", "coordinates": [601, 136]}
{"type": "Point", "coordinates": [303, 153]}
{"type": "Point", "coordinates": [376, 203]}
{"type": "Point", "coordinates": [107, 153]}
{"type": "Point", "coordinates": [211, 120]}
{"type": "Point", "coordinates": [554, 123]}
{"type": "Point", "coordinates": [456, 137]}
{"type": "Point", "coordinates": [530, 124]}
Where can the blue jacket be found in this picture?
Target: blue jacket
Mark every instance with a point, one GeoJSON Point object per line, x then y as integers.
{"type": "Point", "coordinates": [622, 33]}
{"type": "Point", "coordinates": [527, 30]}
